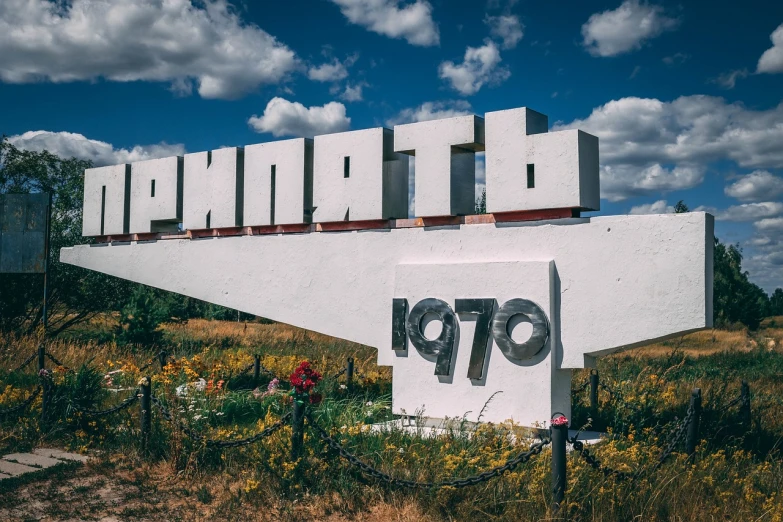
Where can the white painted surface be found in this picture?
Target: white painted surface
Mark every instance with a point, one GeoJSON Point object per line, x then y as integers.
{"type": "Point", "coordinates": [524, 391]}
{"type": "Point", "coordinates": [377, 185]}
{"type": "Point", "coordinates": [114, 180]}
{"type": "Point", "coordinates": [214, 188]}
{"type": "Point", "coordinates": [445, 162]}
{"type": "Point", "coordinates": [293, 166]}
{"type": "Point", "coordinates": [623, 280]}
{"type": "Point", "coordinates": [161, 212]}
{"type": "Point", "coordinates": [565, 163]}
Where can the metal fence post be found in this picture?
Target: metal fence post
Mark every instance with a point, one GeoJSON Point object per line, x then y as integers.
{"type": "Point", "coordinates": [746, 413]}
{"type": "Point", "coordinates": [594, 390]}
{"type": "Point", "coordinates": [145, 411]}
{"type": "Point", "coordinates": [297, 425]}
{"type": "Point", "coordinates": [43, 380]}
{"type": "Point", "coordinates": [349, 373]}
{"type": "Point", "coordinates": [256, 368]}
{"type": "Point", "coordinates": [692, 438]}
{"type": "Point", "coordinates": [559, 437]}
{"type": "Point", "coordinates": [163, 358]}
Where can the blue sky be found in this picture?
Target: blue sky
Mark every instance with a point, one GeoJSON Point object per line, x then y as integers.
{"type": "Point", "coordinates": [686, 98]}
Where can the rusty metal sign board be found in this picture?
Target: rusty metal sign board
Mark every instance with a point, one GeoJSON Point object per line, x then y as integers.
{"type": "Point", "coordinates": [23, 230]}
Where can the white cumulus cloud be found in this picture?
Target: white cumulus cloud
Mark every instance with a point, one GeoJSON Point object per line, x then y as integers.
{"type": "Point", "coordinates": [648, 145]}
{"type": "Point", "coordinates": [394, 18]}
{"type": "Point", "coordinates": [431, 111]}
{"type": "Point", "coordinates": [284, 118]}
{"type": "Point", "coordinates": [625, 29]}
{"type": "Point", "coordinates": [751, 211]}
{"type": "Point", "coordinates": [758, 185]}
{"type": "Point", "coordinates": [175, 41]}
{"type": "Point", "coordinates": [73, 145]}
{"type": "Point", "coordinates": [328, 72]}
{"type": "Point", "coordinates": [481, 66]}
{"type": "Point", "coordinates": [772, 59]}
{"type": "Point", "coordinates": [508, 28]}
{"type": "Point", "coordinates": [659, 207]}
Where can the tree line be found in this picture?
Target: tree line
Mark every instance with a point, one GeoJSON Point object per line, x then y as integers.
{"type": "Point", "coordinates": [77, 295]}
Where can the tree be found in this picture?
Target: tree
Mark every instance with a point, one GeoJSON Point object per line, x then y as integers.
{"type": "Point", "coordinates": [75, 295]}
{"type": "Point", "coordinates": [735, 298]}
{"type": "Point", "coordinates": [776, 302]}
{"type": "Point", "coordinates": [681, 208]}
{"type": "Point", "coordinates": [481, 203]}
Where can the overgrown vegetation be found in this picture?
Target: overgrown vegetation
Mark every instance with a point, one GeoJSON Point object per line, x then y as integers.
{"type": "Point", "coordinates": [737, 473]}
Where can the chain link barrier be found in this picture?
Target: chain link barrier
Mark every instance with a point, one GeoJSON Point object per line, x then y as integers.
{"type": "Point", "coordinates": [472, 480]}
{"type": "Point", "coordinates": [596, 464]}
{"type": "Point", "coordinates": [676, 437]}
{"type": "Point", "coordinates": [56, 361]}
{"type": "Point", "coordinates": [100, 413]}
{"type": "Point", "coordinates": [21, 406]}
{"type": "Point", "coordinates": [25, 363]}
{"type": "Point", "coordinates": [213, 443]}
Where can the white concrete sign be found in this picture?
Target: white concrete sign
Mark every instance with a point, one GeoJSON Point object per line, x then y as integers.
{"type": "Point", "coordinates": [463, 308]}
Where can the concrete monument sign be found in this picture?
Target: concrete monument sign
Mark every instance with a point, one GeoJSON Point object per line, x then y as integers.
{"type": "Point", "coordinates": [315, 234]}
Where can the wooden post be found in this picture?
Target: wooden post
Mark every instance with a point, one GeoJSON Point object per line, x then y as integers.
{"type": "Point", "coordinates": [746, 413]}
{"type": "Point", "coordinates": [297, 425]}
{"type": "Point", "coordinates": [594, 391]}
{"type": "Point", "coordinates": [145, 407]}
{"type": "Point", "coordinates": [692, 437]}
{"type": "Point", "coordinates": [559, 437]}
{"type": "Point", "coordinates": [349, 373]}
{"type": "Point", "coordinates": [44, 381]}
{"type": "Point", "coordinates": [163, 358]}
{"type": "Point", "coordinates": [256, 368]}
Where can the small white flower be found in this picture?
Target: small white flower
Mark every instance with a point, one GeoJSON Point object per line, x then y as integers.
{"type": "Point", "coordinates": [343, 386]}
{"type": "Point", "coordinates": [400, 450]}
{"type": "Point", "coordinates": [200, 385]}
{"type": "Point", "coordinates": [197, 417]}
{"type": "Point", "coordinates": [220, 413]}
{"type": "Point", "coordinates": [190, 408]}
{"type": "Point", "coordinates": [343, 427]}
{"type": "Point", "coordinates": [369, 403]}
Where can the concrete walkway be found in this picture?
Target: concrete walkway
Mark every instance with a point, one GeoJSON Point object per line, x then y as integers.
{"type": "Point", "coordinates": [16, 464]}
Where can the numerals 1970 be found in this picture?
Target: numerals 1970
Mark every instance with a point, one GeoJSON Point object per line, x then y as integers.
{"type": "Point", "coordinates": [409, 326]}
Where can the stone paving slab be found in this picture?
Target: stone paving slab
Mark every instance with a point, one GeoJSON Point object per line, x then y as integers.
{"type": "Point", "coordinates": [60, 454]}
{"type": "Point", "coordinates": [14, 469]}
{"type": "Point", "coordinates": [29, 459]}
{"type": "Point", "coordinates": [16, 464]}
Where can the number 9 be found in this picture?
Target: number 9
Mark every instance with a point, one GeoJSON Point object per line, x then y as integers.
{"type": "Point", "coordinates": [443, 346]}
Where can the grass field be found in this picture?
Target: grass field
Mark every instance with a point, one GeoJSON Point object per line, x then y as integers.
{"type": "Point", "coordinates": [737, 473]}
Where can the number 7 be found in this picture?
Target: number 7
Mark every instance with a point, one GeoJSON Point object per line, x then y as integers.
{"type": "Point", "coordinates": [483, 308]}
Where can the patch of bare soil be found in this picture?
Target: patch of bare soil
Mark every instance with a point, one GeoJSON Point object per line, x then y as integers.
{"type": "Point", "coordinates": [107, 493]}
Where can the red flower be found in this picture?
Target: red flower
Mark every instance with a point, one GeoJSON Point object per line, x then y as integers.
{"type": "Point", "coordinates": [304, 378]}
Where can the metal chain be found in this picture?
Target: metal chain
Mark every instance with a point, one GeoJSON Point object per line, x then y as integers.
{"type": "Point", "coordinates": [676, 437]}
{"type": "Point", "coordinates": [147, 365]}
{"type": "Point", "coordinates": [472, 480]}
{"type": "Point", "coordinates": [22, 406]}
{"type": "Point", "coordinates": [741, 399]}
{"type": "Point", "coordinates": [340, 373]}
{"type": "Point", "coordinates": [595, 463]}
{"type": "Point", "coordinates": [580, 388]}
{"type": "Point", "coordinates": [247, 369]}
{"type": "Point", "coordinates": [26, 362]}
{"type": "Point", "coordinates": [612, 393]}
{"type": "Point", "coordinates": [56, 361]}
{"type": "Point", "coordinates": [220, 443]}
{"type": "Point", "coordinates": [99, 413]}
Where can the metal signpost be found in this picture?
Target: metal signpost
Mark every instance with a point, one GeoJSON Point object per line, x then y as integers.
{"type": "Point", "coordinates": [25, 222]}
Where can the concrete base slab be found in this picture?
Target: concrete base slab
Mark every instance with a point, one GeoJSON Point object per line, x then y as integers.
{"type": "Point", "coordinates": [14, 469]}
{"type": "Point", "coordinates": [60, 454]}
{"type": "Point", "coordinates": [429, 429]}
{"type": "Point", "coordinates": [29, 459]}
